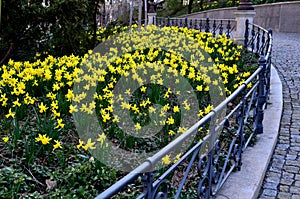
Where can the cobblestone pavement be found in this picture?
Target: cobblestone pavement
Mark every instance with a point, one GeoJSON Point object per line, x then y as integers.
{"type": "Point", "coordinates": [282, 179]}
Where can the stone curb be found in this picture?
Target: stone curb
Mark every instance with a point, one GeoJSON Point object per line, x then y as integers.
{"type": "Point", "coordinates": [246, 183]}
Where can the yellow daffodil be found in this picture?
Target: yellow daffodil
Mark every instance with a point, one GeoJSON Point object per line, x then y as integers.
{"type": "Point", "coordinates": [176, 109]}
{"type": "Point", "coordinates": [10, 114]}
{"type": "Point", "coordinates": [170, 120]}
{"type": "Point", "coordinates": [57, 144]}
{"type": "Point", "coordinates": [166, 160]}
{"type": "Point", "coordinates": [101, 139]}
{"type": "Point", "coordinates": [89, 145]}
{"type": "Point", "coordinates": [137, 126]}
{"type": "Point", "coordinates": [43, 138]}
{"type": "Point", "coordinates": [5, 139]}
{"type": "Point", "coordinates": [42, 108]}
{"type": "Point", "coordinates": [80, 144]}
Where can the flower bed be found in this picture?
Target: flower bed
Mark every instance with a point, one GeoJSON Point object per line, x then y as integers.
{"type": "Point", "coordinates": [43, 102]}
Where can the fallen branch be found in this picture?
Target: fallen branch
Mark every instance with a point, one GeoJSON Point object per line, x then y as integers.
{"type": "Point", "coordinates": [34, 179]}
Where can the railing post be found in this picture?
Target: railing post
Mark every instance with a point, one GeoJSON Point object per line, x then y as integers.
{"type": "Point", "coordinates": [268, 67]}
{"type": "Point", "coordinates": [228, 28]}
{"type": "Point", "coordinates": [244, 11]}
{"type": "Point", "coordinates": [200, 25]}
{"type": "Point", "coordinates": [214, 28]}
{"type": "Point", "coordinates": [207, 25]}
{"type": "Point", "coordinates": [246, 33]}
{"type": "Point", "coordinates": [191, 24]}
{"type": "Point", "coordinates": [180, 23]}
{"type": "Point", "coordinates": [186, 22]}
{"type": "Point", "coordinates": [258, 42]}
{"type": "Point", "coordinates": [261, 96]}
{"type": "Point", "coordinates": [148, 186]}
{"type": "Point", "coordinates": [195, 25]}
{"type": "Point", "coordinates": [241, 131]}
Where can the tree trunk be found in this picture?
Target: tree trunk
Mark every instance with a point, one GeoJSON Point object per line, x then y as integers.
{"type": "Point", "coordinates": [146, 12]}
{"type": "Point", "coordinates": [140, 14]}
{"type": "Point", "coordinates": [131, 13]}
{"type": "Point", "coordinates": [95, 25]}
{"type": "Point", "coordinates": [201, 5]}
{"type": "Point", "coordinates": [190, 6]}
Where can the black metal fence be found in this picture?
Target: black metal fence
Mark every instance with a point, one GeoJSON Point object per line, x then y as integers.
{"type": "Point", "coordinates": [215, 26]}
{"type": "Point", "coordinates": [212, 165]}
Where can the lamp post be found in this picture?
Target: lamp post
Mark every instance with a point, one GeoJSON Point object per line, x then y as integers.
{"type": "Point", "coordinates": [245, 5]}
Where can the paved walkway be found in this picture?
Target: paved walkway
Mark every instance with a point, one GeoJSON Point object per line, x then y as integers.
{"type": "Point", "coordinates": [282, 179]}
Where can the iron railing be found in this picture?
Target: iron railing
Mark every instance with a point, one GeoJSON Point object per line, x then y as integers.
{"type": "Point", "coordinates": [215, 26]}
{"type": "Point", "coordinates": [211, 160]}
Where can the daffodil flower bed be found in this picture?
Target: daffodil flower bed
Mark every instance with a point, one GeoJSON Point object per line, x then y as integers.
{"type": "Point", "coordinates": [49, 95]}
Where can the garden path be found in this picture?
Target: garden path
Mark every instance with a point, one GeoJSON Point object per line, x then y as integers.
{"type": "Point", "coordinates": [282, 179]}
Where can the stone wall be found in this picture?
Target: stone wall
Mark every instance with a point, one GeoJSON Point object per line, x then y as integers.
{"type": "Point", "coordinates": [281, 17]}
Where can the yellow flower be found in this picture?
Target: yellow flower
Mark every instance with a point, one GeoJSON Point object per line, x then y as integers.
{"type": "Point", "coordinates": [208, 109]}
{"type": "Point", "coordinates": [152, 109]}
{"type": "Point", "coordinates": [201, 113]}
{"type": "Point", "coordinates": [43, 138]}
{"type": "Point", "coordinates": [171, 133]}
{"type": "Point", "coordinates": [170, 120]}
{"type": "Point", "coordinates": [186, 105]}
{"type": "Point", "coordinates": [137, 126]}
{"type": "Point", "coordinates": [42, 108]}
{"type": "Point", "coordinates": [105, 117]}
{"type": "Point", "coordinates": [128, 92]}
{"type": "Point", "coordinates": [177, 158]}
{"type": "Point", "coordinates": [55, 113]}
{"type": "Point", "coordinates": [73, 109]}
{"type": "Point", "coordinates": [101, 139]}
{"type": "Point", "coordinates": [80, 144]}
{"type": "Point", "coordinates": [176, 109]}
{"type": "Point", "coordinates": [54, 104]}
{"type": "Point", "coordinates": [143, 89]}
{"type": "Point", "coordinates": [51, 95]}
{"type": "Point", "coordinates": [125, 105]}
{"type": "Point", "coordinates": [89, 145]}
{"type": "Point", "coordinates": [57, 144]}
{"type": "Point", "coordinates": [3, 99]}
{"type": "Point", "coordinates": [5, 139]}
{"type": "Point", "coordinates": [166, 160]}
{"type": "Point", "coordinates": [69, 95]}
{"type": "Point", "coordinates": [135, 109]}
{"type": "Point", "coordinates": [10, 114]}
{"type": "Point", "coordinates": [182, 129]}
{"type": "Point", "coordinates": [28, 99]}
{"type": "Point", "coordinates": [60, 124]}
{"type": "Point", "coordinates": [199, 88]}
{"type": "Point", "coordinates": [56, 87]}
{"type": "Point", "coordinates": [16, 103]}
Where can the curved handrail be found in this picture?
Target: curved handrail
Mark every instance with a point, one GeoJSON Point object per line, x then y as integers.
{"type": "Point", "coordinates": [252, 104]}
